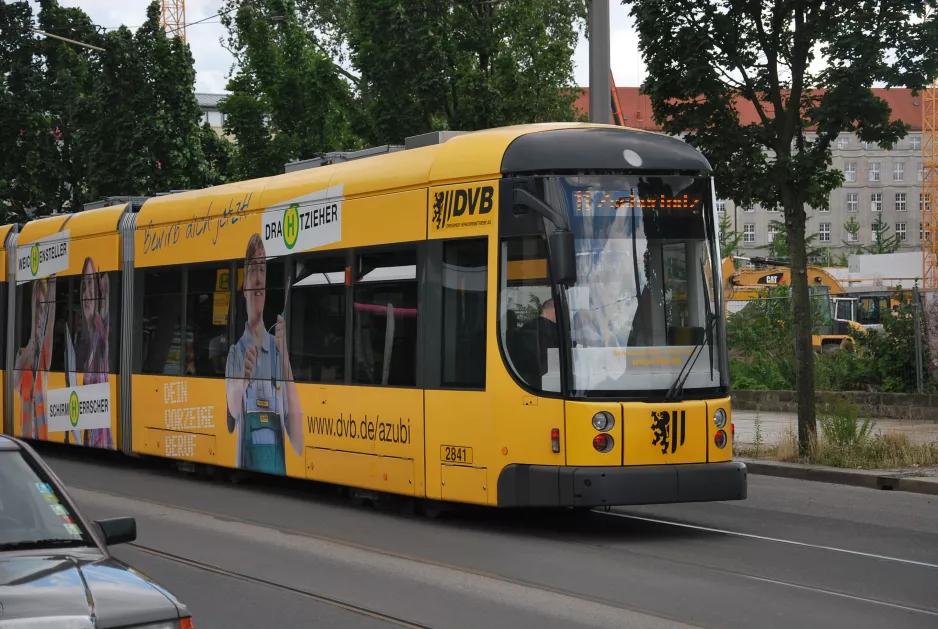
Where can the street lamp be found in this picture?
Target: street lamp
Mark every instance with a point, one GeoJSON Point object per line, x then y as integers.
{"type": "Point", "coordinates": [600, 71]}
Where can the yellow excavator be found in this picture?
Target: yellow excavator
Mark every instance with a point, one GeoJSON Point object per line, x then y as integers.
{"type": "Point", "coordinates": [839, 313]}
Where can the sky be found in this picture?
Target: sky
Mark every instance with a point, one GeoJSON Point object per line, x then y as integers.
{"type": "Point", "coordinates": [213, 62]}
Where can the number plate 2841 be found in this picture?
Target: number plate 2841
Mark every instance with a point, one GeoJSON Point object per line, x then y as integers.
{"type": "Point", "coordinates": [455, 454]}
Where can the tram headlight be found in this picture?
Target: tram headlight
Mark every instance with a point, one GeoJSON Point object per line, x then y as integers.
{"type": "Point", "coordinates": [603, 421]}
{"type": "Point", "coordinates": [719, 418]}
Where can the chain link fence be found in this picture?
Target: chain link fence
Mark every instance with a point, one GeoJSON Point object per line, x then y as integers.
{"type": "Point", "coordinates": [880, 341]}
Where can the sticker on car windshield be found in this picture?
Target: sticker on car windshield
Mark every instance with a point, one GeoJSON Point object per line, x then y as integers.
{"type": "Point", "coordinates": [59, 509]}
{"type": "Point", "coordinates": [44, 488]}
{"type": "Point", "coordinates": [51, 498]}
{"type": "Point", "coordinates": [73, 529]}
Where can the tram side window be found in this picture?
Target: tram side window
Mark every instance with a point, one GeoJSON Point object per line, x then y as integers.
{"type": "Point", "coordinates": [528, 326]}
{"type": "Point", "coordinates": [208, 303]}
{"type": "Point", "coordinates": [4, 287]}
{"type": "Point", "coordinates": [163, 352]}
{"type": "Point", "coordinates": [465, 279]}
{"type": "Point", "coordinates": [385, 319]}
{"type": "Point", "coordinates": [317, 313]}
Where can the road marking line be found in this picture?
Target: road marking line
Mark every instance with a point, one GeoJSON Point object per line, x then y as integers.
{"type": "Point", "coordinates": [695, 527]}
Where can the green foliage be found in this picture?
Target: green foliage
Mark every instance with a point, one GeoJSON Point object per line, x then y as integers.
{"type": "Point", "coordinates": [428, 65]}
{"type": "Point", "coordinates": [882, 242]}
{"type": "Point", "coordinates": [288, 100]}
{"type": "Point", "coordinates": [729, 237]}
{"type": "Point", "coordinates": [760, 341]}
{"type": "Point", "coordinates": [79, 124]}
{"type": "Point", "coordinates": [778, 248]}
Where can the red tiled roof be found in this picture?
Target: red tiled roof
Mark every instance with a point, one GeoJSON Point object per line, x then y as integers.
{"type": "Point", "coordinates": [637, 107]}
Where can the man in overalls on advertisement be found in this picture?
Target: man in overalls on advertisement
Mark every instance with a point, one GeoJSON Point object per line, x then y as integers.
{"type": "Point", "coordinates": [262, 400]}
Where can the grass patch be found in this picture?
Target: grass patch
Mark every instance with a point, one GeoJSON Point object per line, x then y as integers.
{"type": "Point", "coordinates": [844, 440]}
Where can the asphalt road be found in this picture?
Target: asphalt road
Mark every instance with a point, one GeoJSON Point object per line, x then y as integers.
{"type": "Point", "coordinates": [795, 554]}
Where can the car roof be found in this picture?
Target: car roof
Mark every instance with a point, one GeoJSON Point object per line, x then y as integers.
{"type": "Point", "coordinates": [8, 444]}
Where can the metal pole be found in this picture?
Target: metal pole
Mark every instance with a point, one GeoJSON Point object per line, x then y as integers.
{"type": "Point", "coordinates": [917, 322]}
{"type": "Point", "coordinates": [600, 71]}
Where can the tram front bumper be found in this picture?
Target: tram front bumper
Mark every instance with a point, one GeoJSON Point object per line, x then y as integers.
{"type": "Point", "coordinates": [558, 486]}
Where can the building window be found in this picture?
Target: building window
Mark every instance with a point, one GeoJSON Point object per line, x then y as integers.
{"type": "Point", "coordinates": [922, 207]}
{"type": "Point", "coordinates": [874, 171]}
{"type": "Point", "coordinates": [824, 232]}
{"type": "Point", "coordinates": [853, 236]}
{"type": "Point", "coordinates": [385, 319]}
{"type": "Point", "coordinates": [749, 233]}
{"type": "Point", "coordinates": [773, 232]}
{"type": "Point", "coordinates": [866, 145]}
{"type": "Point", "coordinates": [898, 171]}
{"type": "Point", "coordinates": [843, 143]}
{"type": "Point", "coordinates": [216, 118]}
{"type": "Point", "coordinates": [853, 201]}
{"type": "Point", "coordinates": [850, 171]}
{"type": "Point", "coordinates": [915, 143]}
{"type": "Point", "coordinates": [900, 202]}
{"type": "Point", "coordinates": [464, 313]}
{"type": "Point", "coordinates": [900, 231]}
{"type": "Point", "coordinates": [922, 234]}
{"type": "Point", "coordinates": [919, 172]}
{"type": "Point", "coordinates": [749, 208]}
{"type": "Point", "coordinates": [721, 206]}
{"type": "Point", "coordinates": [876, 201]}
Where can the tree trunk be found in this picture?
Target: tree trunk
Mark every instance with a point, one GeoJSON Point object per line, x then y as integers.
{"type": "Point", "coordinates": [803, 317]}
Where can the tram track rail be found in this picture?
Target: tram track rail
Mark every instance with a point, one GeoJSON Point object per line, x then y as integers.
{"type": "Point", "coordinates": [319, 598]}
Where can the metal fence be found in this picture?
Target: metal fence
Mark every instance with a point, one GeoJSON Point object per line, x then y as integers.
{"type": "Point", "coordinates": [877, 341]}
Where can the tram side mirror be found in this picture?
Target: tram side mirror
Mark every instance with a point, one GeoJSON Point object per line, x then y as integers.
{"type": "Point", "coordinates": [562, 257]}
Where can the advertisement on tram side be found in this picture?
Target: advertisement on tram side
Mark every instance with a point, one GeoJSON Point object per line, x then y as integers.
{"type": "Point", "coordinates": [228, 392]}
{"type": "Point", "coordinates": [63, 386]}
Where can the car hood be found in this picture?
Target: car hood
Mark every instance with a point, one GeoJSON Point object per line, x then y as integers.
{"type": "Point", "coordinates": [76, 592]}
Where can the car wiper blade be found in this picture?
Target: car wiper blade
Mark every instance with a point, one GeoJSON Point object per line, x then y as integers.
{"type": "Point", "coordinates": [43, 543]}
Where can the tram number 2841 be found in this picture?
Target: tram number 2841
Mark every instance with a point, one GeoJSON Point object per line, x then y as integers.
{"type": "Point", "coordinates": [455, 454]}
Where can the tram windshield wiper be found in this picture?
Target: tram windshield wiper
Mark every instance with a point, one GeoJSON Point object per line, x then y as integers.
{"type": "Point", "coordinates": [677, 387]}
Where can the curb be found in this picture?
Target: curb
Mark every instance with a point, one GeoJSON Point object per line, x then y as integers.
{"type": "Point", "coordinates": [871, 479]}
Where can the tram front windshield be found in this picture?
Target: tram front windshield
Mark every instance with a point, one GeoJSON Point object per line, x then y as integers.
{"type": "Point", "coordinates": [644, 297]}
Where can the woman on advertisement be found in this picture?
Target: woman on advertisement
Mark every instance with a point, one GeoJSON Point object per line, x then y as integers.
{"type": "Point", "coordinates": [94, 353]}
{"type": "Point", "coordinates": [31, 369]}
{"type": "Point", "coordinates": [263, 403]}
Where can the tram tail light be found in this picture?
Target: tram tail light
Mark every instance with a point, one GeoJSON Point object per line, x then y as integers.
{"type": "Point", "coordinates": [555, 439]}
{"type": "Point", "coordinates": [602, 442]}
{"type": "Point", "coordinates": [719, 439]}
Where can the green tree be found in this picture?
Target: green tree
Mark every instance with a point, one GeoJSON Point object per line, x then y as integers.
{"type": "Point", "coordinates": [146, 133]}
{"type": "Point", "coordinates": [288, 101]}
{"type": "Point", "coordinates": [729, 237]}
{"type": "Point", "coordinates": [882, 242]}
{"type": "Point", "coordinates": [70, 72]}
{"type": "Point", "coordinates": [705, 58]}
{"type": "Point", "coordinates": [429, 65]}
{"type": "Point", "coordinates": [27, 146]}
{"type": "Point", "coordinates": [219, 156]}
{"type": "Point", "coordinates": [778, 248]}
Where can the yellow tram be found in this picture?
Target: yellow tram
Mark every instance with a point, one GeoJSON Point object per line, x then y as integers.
{"type": "Point", "coordinates": [522, 316]}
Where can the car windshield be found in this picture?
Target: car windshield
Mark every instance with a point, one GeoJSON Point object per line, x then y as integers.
{"type": "Point", "coordinates": [644, 291]}
{"type": "Point", "coordinates": [32, 514]}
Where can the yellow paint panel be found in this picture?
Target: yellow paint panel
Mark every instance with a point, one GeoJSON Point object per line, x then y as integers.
{"type": "Point", "coordinates": [479, 154]}
{"type": "Point", "coordinates": [527, 270]}
{"type": "Point", "coordinates": [383, 219]}
{"type": "Point", "coordinates": [333, 418]}
{"type": "Point", "coordinates": [680, 436]}
{"type": "Point", "coordinates": [459, 418]}
{"type": "Point", "coordinates": [50, 381]}
{"type": "Point", "coordinates": [379, 473]}
{"type": "Point", "coordinates": [725, 453]}
{"type": "Point", "coordinates": [402, 170]}
{"type": "Point", "coordinates": [81, 224]}
{"type": "Point", "coordinates": [4, 232]}
{"type": "Point", "coordinates": [172, 444]}
{"type": "Point", "coordinates": [41, 228]}
{"type": "Point", "coordinates": [579, 435]}
{"type": "Point", "coordinates": [465, 484]}
{"type": "Point", "coordinates": [218, 202]}
{"type": "Point", "coordinates": [206, 234]}
{"type": "Point", "coordinates": [469, 209]}
{"type": "Point", "coordinates": [369, 420]}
